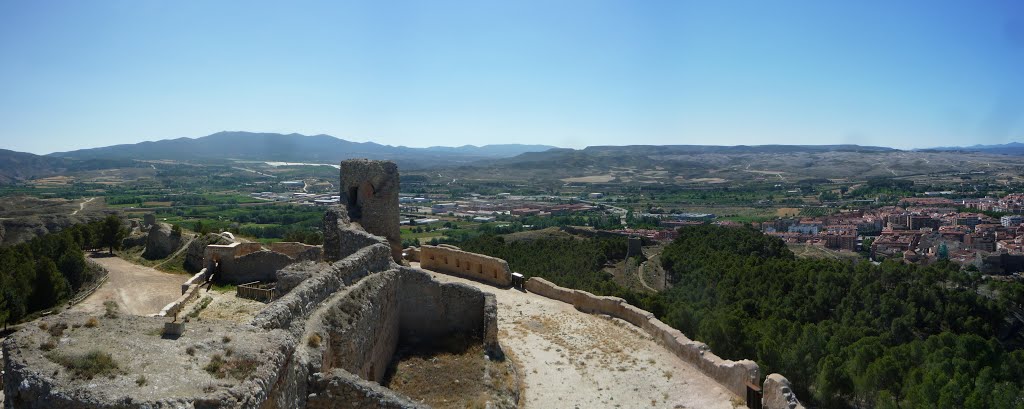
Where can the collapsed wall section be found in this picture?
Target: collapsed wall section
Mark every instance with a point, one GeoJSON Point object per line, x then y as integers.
{"type": "Point", "coordinates": [341, 239]}
{"type": "Point", "coordinates": [452, 260]}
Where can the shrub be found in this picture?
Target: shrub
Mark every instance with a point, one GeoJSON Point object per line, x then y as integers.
{"type": "Point", "coordinates": [112, 309]}
{"type": "Point", "coordinates": [238, 368]}
{"type": "Point", "coordinates": [57, 329]}
{"type": "Point", "coordinates": [92, 322]}
{"type": "Point", "coordinates": [88, 365]}
{"type": "Point", "coordinates": [314, 341]}
{"type": "Point", "coordinates": [48, 345]}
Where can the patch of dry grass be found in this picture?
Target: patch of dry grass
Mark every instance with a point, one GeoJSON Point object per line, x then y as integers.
{"type": "Point", "coordinates": [456, 379]}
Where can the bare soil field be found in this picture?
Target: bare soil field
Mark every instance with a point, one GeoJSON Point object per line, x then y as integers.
{"type": "Point", "coordinates": [136, 289]}
{"type": "Point", "coordinates": [590, 179]}
{"type": "Point", "coordinates": [569, 359]}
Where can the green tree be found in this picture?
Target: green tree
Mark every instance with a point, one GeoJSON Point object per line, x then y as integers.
{"type": "Point", "coordinates": [51, 287]}
{"type": "Point", "coordinates": [111, 233]}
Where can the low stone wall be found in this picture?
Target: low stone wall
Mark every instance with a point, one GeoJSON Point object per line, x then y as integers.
{"type": "Point", "coordinates": [734, 375]}
{"type": "Point", "coordinates": [452, 260]}
{"type": "Point", "coordinates": [340, 389]}
{"type": "Point", "coordinates": [199, 278]}
{"type": "Point", "coordinates": [299, 251]}
{"type": "Point", "coordinates": [172, 309]}
{"type": "Point", "coordinates": [778, 393]}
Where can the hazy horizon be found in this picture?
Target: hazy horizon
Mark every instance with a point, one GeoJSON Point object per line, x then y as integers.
{"type": "Point", "coordinates": [915, 74]}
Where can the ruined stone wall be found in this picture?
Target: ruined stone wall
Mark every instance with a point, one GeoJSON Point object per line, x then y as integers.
{"type": "Point", "coordinates": [340, 389]}
{"type": "Point", "coordinates": [364, 328]}
{"type": "Point", "coordinates": [321, 283]}
{"type": "Point", "coordinates": [369, 190]}
{"type": "Point", "coordinates": [451, 260]}
{"type": "Point", "coordinates": [298, 251]}
{"type": "Point", "coordinates": [341, 239]}
{"type": "Point", "coordinates": [242, 263]}
{"type": "Point", "coordinates": [257, 266]}
{"type": "Point", "coordinates": [431, 310]}
{"type": "Point", "coordinates": [734, 375]}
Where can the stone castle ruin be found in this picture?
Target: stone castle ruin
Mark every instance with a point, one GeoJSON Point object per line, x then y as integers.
{"type": "Point", "coordinates": [326, 341]}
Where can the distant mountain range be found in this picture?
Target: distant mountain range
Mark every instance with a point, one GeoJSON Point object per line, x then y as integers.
{"type": "Point", "coordinates": [680, 154]}
{"type": "Point", "coordinates": [1012, 148]}
{"type": "Point", "coordinates": [295, 148]}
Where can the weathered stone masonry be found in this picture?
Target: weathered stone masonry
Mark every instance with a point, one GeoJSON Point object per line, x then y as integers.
{"type": "Point", "coordinates": [452, 260]}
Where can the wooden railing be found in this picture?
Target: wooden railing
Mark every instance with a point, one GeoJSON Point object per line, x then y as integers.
{"type": "Point", "coordinates": [265, 292]}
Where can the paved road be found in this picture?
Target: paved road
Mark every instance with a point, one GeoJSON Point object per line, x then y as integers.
{"type": "Point", "coordinates": [136, 289]}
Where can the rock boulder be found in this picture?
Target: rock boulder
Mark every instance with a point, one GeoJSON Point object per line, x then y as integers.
{"type": "Point", "coordinates": [161, 242]}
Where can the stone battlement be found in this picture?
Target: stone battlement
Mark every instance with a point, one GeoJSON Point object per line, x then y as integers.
{"type": "Point", "coordinates": [452, 260]}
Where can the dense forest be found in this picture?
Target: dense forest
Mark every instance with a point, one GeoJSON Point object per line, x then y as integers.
{"type": "Point", "coordinates": [846, 334]}
{"type": "Point", "coordinates": [50, 269]}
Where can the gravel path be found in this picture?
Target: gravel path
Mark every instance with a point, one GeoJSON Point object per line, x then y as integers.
{"type": "Point", "coordinates": [137, 290]}
{"type": "Point", "coordinates": [569, 359]}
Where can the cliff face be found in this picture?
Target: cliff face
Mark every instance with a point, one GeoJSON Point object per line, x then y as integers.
{"type": "Point", "coordinates": [21, 229]}
{"type": "Point", "coordinates": [161, 242]}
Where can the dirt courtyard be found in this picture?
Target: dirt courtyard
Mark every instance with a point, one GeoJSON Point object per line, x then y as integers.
{"type": "Point", "coordinates": [137, 290]}
{"type": "Point", "coordinates": [570, 359]}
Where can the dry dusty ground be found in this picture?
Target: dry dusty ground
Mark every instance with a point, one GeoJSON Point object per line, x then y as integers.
{"type": "Point", "coordinates": [224, 306]}
{"type": "Point", "coordinates": [136, 289]}
{"type": "Point", "coordinates": [568, 359]}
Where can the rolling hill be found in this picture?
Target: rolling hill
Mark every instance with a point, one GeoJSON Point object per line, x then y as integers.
{"type": "Point", "coordinates": [294, 148]}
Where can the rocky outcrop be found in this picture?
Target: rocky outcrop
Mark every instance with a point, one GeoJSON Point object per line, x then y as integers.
{"type": "Point", "coordinates": [196, 250]}
{"type": "Point", "coordinates": [18, 230]}
{"type": "Point", "coordinates": [173, 371]}
{"type": "Point", "coordinates": [778, 393]}
{"type": "Point", "coordinates": [134, 240]}
{"type": "Point", "coordinates": [161, 242]}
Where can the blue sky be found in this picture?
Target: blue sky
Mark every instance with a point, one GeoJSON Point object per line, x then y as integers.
{"type": "Point", "coordinates": [77, 74]}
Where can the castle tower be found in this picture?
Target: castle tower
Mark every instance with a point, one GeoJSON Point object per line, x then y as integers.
{"type": "Point", "coordinates": [369, 190]}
